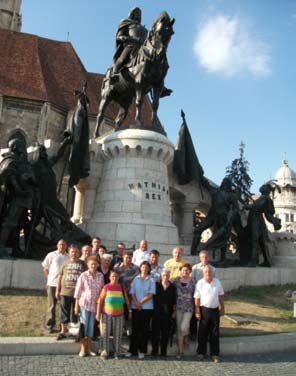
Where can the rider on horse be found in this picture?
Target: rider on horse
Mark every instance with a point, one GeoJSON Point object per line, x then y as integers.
{"type": "Point", "coordinates": [130, 36]}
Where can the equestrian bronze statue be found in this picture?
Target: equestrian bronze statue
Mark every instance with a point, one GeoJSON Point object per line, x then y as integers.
{"type": "Point", "coordinates": [139, 67]}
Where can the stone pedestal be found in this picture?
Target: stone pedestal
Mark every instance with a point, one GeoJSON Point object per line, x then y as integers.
{"type": "Point", "coordinates": [285, 251]}
{"type": "Point", "coordinates": [132, 197]}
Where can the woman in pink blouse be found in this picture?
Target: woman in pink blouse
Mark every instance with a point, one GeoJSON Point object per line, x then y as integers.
{"type": "Point", "coordinates": [88, 288]}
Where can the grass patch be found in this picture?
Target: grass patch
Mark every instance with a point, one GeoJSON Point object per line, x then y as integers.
{"type": "Point", "coordinates": [266, 309]}
{"type": "Point", "coordinates": [22, 313]}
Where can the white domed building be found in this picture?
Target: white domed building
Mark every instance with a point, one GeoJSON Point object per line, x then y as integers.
{"type": "Point", "coordinates": [285, 202]}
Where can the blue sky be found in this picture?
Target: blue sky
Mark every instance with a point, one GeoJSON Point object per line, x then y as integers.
{"type": "Point", "coordinates": [232, 70]}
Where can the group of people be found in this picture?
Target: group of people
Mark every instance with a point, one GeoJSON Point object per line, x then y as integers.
{"type": "Point", "coordinates": [131, 291]}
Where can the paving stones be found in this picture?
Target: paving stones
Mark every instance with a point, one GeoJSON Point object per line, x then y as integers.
{"type": "Point", "coordinates": [283, 364]}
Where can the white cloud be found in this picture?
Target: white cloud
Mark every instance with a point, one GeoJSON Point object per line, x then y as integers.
{"type": "Point", "coordinates": [224, 45]}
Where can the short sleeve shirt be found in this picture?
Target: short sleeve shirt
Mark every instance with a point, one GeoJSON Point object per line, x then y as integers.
{"type": "Point", "coordinates": [155, 273]}
{"type": "Point", "coordinates": [140, 288]}
{"type": "Point", "coordinates": [70, 273]}
{"type": "Point", "coordinates": [197, 271]}
{"type": "Point", "coordinates": [53, 262]}
{"type": "Point", "coordinates": [174, 267]}
{"type": "Point", "coordinates": [88, 289]}
{"type": "Point", "coordinates": [208, 293]}
{"type": "Point", "coordinates": [184, 295]}
{"type": "Point", "coordinates": [139, 256]}
{"type": "Point", "coordinates": [126, 275]}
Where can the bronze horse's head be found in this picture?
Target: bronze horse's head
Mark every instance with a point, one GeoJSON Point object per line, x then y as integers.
{"type": "Point", "coordinates": [162, 29]}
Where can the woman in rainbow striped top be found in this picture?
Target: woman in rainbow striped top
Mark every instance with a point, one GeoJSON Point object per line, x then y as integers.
{"type": "Point", "coordinates": [110, 314]}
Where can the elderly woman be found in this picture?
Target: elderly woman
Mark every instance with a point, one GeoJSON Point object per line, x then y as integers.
{"type": "Point", "coordinates": [142, 291]}
{"type": "Point", "coordinates": [164, 311]}
{"type": "Point", "coordinates": [110, 313]}
{"type": "Point", "coordinates": [184, 308]}
{"type": "Point", "coordinates": [88, 288]}
{"type": "Point", "coordinates": [105, 267]}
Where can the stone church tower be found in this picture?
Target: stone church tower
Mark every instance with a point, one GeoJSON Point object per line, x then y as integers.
{"type": "Point", "coordinates": [10, 17]}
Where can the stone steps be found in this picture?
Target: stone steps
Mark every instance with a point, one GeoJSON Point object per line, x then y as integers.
{"type": "Point", "coordinates": [284, 261]}
{"type": "Point", "coordinates": [229, 345]}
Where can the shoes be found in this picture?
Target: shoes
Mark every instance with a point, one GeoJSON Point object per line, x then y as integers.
{"type": "Point", "coordinates": [49, 329]}
{"type": "Point", "coordinates": [128, 332]}
{"type": "Point", "coordinates": [179, 356]}
{"type": "Point", "coordinates": [117, 356]}
{"type": "Point", "coordinates": [200, 357]}
{"type": "Point", "coordinates": [141, 355]}
{"type": "Point", "coordinates": [104, 355]}
{"type": "Point", "coordinates": [216, 359]}
{"type": "Point", "coordinates": [82, 354]}
{"type": "Point", "coordinates": [128, 355]}
{"type": "Point", "coordinates": [91, 353]}
{"type": "Point", "coordinates": [60, 336]}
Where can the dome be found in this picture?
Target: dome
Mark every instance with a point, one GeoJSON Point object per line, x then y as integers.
{"type": "Point", "coordinates": [285, 176]}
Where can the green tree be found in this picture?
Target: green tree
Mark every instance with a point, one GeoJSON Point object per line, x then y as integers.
{"type": "Point", "coordinates": [238, 173]}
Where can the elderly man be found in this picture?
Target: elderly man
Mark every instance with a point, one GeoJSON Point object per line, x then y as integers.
{"type": "Point", "coordinates": [85, 252]}
{"type": "Point", "coordinates": [141, 254]}
{"type": "Point", "coordinates": [209, 306]}
{"type": "Point", "coordinates": [52, 266]}
{"type": "Point", "coordinates": [174, 263]}
{"type": "Point", "coordinates": [197, 269]}
{"type": "Point", "coordinates": [196, 275]}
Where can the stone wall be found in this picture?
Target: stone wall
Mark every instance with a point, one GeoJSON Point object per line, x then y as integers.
{"type": "Point", "coordinates": [36, 120]}
{"type": "Point", "coordinates": [21, 115]}
{"type": "Point", "coordinates": [27, 274]}
{"type": "Point", "coordinates": [22, 274]}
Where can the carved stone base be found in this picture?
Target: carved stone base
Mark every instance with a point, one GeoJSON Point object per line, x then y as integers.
{"type": "Point", "coordinates": [147, 127]}
{"type": "Point", "coordinates": [132, 199]}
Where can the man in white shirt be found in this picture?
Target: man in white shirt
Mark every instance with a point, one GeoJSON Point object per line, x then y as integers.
{"type": "Point", "coordinates": [196, 275]}
{"type": "Point", "coordinates": [52, 265]}
{"type": "Point", "coordinates": [141, 254]}
{"type": "Point", "coordinates": [209, 306]}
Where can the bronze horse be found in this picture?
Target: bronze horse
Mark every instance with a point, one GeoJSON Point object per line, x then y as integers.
{"type": "Point", "coordinates": [145, 73]}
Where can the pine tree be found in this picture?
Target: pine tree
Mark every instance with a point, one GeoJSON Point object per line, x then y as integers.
{"type": "Point", "coordinates": [238, 173]}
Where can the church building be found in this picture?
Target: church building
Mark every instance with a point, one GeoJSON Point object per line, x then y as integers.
{"type": "Point", "coordinates": [37, 83]}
